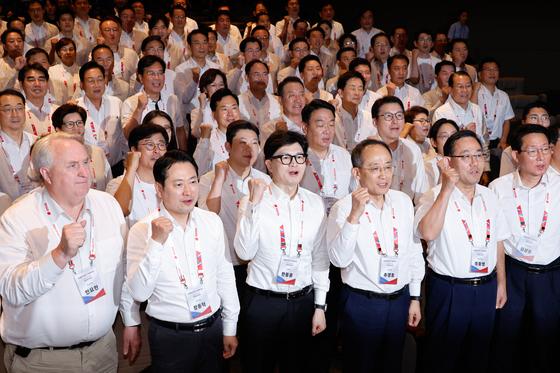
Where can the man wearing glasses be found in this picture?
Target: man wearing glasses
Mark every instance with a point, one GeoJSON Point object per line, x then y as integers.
{"type": "Point", "coordinates": [528, 198]}
{"type": "Point", "coordinates": [464, 227]}
{"type": "Point", "coordinates": [15, 145]}
{"type": "Point", "coordinates": [409, 175]}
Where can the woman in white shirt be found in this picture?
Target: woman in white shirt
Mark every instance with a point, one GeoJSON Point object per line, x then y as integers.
{"type": "Point", "coordinates": [438, 135]}
{"type": "Point", "coordinates": [210, 82]}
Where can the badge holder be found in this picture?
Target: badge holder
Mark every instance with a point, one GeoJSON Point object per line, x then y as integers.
{"type": "Point", "coordinates": [89, 285]}
{"type": "Point", "coordinates": [198, 302]}
{"type": "Point", "coordinates": [388, 270]}
{"type": "Point", "coordinates": [287, 270]}
{"type": "Point", "coordinates": [526, 248]}
{"type": "Point", "coordinates": [479, 259]}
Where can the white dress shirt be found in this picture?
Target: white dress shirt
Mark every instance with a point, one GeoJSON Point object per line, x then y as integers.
{"type": "Point", "coordinates": [364, 39]}
{"type": "Point", "coordinates": [211, 151]}
{"type": "Point", "coordinates": [82, 47]}
{"type": "Point", "coordinates": [125, 64]}
{"type": "Point", "coordinates": [352, 248]}
{"type": "Point", "coordinates": [64, 82]}
{"type": "Point", "coordinates": [88, 29]}
{"type": "Point", "coordinates": [229, 44]}
{"type": "Point", "coordinates": [135, 86]}
{"type": "Point", "coordinates": [409, 95]}
{"type": "Point", "coordinates": [5, 202]}
{"type": "Point", "coordinates": [350, 131]}
{"type": "Point", "coordinates": [42, 306]}
{"type": "Point", "coordinates": [450, 253]}
{"type": "Point", "coordinates": [103, 127]}
{"type": "Point", "coordinates": [8, 73]}
{"type": "Point", "coordinates": [426, 73]}
{"type": "Point", "coordinates": [496, 109]}
{"type": "Point", "coordinates": [258, 239]}
{"type": "Point", "coordinates": [452, 110]}
{"type": "Point", "coordinates": [153, 275]}
{"type": "Point", "coordinates": [534, 202]}
{"type": "Point", "coordinates": [36, 36]}
{"type": "Point", "coordinates": [233, 190]}
{"type": "Point", "coordinates": [144, 199]}
{"type": "Point", "coordinates": [409, 175]}
{"type": "Point", "coordinates": [268, 128]}
{"type": "Point", "coordinates": [258, 111]}
{"type": "Point", "coordinates": [38, 121]}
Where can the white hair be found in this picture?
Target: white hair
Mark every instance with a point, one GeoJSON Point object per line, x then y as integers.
{"type": "Point", "coordinates": [42, 152]}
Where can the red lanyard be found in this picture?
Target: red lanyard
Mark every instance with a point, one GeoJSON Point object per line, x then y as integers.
{"type": "Point", "coordinates": [283, 245]}
{"type": "Point", "coordinates": [34, 127]}
{"type": "Point", "coordinates": [401, 161]}
{"type": "Point", "coordinates": [94, 181]}
{"type": "Point", "coordinates": [234, 192]}
{"type": "Point", "coordinates": [486, 107]}
{"type": "Point", "coordinates": [466, 225]}
{"type": "Point", "coordinates": [318, 178]}
{"type": "Point", "coordinates": [92, 254]}
{"type": "Point", "coordinates": [199, 265]}
{"type": "Point", "coordinates": [522, 219]}
{"type": "Point", "coordinates": [73, 86]}
{"type": "Point", "coordinates": [395, 235]}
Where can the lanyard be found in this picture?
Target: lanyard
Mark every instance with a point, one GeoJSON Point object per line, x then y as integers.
{"type": "Point", "coordinates": [91, 255]}
{"type": "Point", "coordinates": [486, 107]}
{"type": "Point", "coordinates": [466, 225]}
{"type": "Point", "coordinates": [199, 265]}
{"type": "Point", "coordinates": [318, 178]}
{"type": "Point", "coordinates": [143, 192]}
{"type": "Point", "coordinates": [395, 235]}
{"type": "Point", "coordinates": [34, 127]}
{"type": "Point", "coordinates": [94, 180]}
{"type": "Point", "coordinates": [283, 245]}
{"type": "Point", "coordinates": [401, 161]}
{"type": "Point", "coordinates": [522, 218]}
{"type": "Point", "coordinates": [461, 122]}
{"type": "Point", "coordinates": [12, 170]}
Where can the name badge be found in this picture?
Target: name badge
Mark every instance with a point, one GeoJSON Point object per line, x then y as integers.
{"type": "Point", "coordinates": [198, 302]}
{"type": "Point", "coordinates": [389, 270]}
{"type": "Point", "coordinates": [89, 285]}
{"type": "Point", "coordinates": [287, 270]}
{"type": "Point", "coordinates": [526, 248]}
{"type": "Point", "coordinates": [479, 260]}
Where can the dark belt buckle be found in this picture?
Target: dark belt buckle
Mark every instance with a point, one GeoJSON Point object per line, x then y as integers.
{"type": "Point", "coordinates": [22, 351]}
{"type": "Point", "coordinates": [476, 282]}
{"type": "Point", "coordinates": [199, 328]}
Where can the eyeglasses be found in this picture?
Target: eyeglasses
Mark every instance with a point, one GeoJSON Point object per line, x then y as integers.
{"type": "Point", "coordinates": [390, 116]}
{"type": "Point", "coordinates": [154, 73]}
{"type": "Point", "coordinates": [422, 121]}
{"type": "Point", "coordinates": [468, 158]}
{"type": "Point", "coordinates": [150, 146]}
{"type": "Point", "coordinates": [299, 50]}
{"type": "Point", "coordinates": [377, 170]}
{"type": "Point", "coordinates": [15, 109]}
{"type": "Point", "coordinates": [154, 50]}
{"type": "Point", "coordinates": [69, 125]}
{"type": "Point", "coordinates": [286, 159]}
{"type": "Point", "coordinates": [532, 152]}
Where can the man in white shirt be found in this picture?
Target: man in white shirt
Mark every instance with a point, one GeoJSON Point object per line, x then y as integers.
{"type": "Point", "coordinates": [378, 55]}
{"type": "Point", "coordinates": [13, 59]}
{"type": "Point", "coordinates": [125, 59]}
{"type": "Point", "coordinates": [436, 97]}
{"type": "Point", "coordinates": [151, 73]}
{"type": "Point", "coordinates": [363, 66]}
{"type": "Point", "coordinates": [227, 40]}
{"type": "Point", "coordinates": [464, 226]}
{"type": "Point", "coordinates": [281, 230]}
{"type": "Point", "coordinates": [38, 110]}
{"type": "Point", "coordinates": [365, 32]}
{"type": "Point", "coordinates": [86, 27]}
{"type": "Point", "coordinates": [399, 41]}
{"type": "Point", "coordinates": [114, 86]}
{"type": "Point", "coordinates": [250, 50]}
{"type": "Point", "coordinates": [267, 55]}
{"type": "Point", "coordinates": [327, 13]}
{"type": "Point", "coordinates": [210, 149]}
{"type": "Point", "coordinates": [176, 260]}
{"type": "Point", "coordinates": [256, 104]}
{"type": "Point", "coordinates": [297, 49]}
{"type": "Point", "coordinates": [222, 189]}
{"type": "Point", "coordinates": [316, 39]}
{"type": "Point", "coordinates": [130, 37]}
{"type": "Point", "coordinates": [179, 30]}
{"type": "Point", "coordinates": [103, 124]}
{"type": "Point", "coordinates": [409, 175]}
{"type": "Point", "coordinates": [311, 71]}
{"type": "Point", "coordinates": [139, 16]}
{"type": "Point", "coordinates": [528, 198]}
{"type": "Point", "coordinates": [62, 272]}
{"type": "Point", "coordinates": [352, 123]}
{"type": "Point", "coordinates": [66, 25]}
{"type": "Point", "coordinates": [37, 32]}
{"type": "Point", "coordinates": [16, 145]}
{"type": "Point", "coordinates": [459, 52]}
{"type": "Point", "coordinates": [422, 63]}
{"type": "Point", "coordinates": [381, 283]}
{"type": "Point", "coordinates": [285, 27]}
{"type": "Point", "coordinates": [397, 86]}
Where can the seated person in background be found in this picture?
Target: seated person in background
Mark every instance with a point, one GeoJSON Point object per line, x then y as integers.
{"type": "Point", "coordinates": [417, 127]}
{"type": "Point", "coordinates": [114, 86]}
{"type": "Point", "coordinates": [378, 56]}
{"type": "Point", "coordinates": [438, 135]}
{"type": "Point", "coordinates": [34, 80]}
{"type": "Point", "coordinates": [459, 54]}
{"type": "Point", "coordinates": [209, 82]}
{"type": "Point", "coordinates": [344, 57]}
{"type": "Point", "coordinates": [297, 49]}
{"type": "Point", "coordinates": [422, 63]}
{"type": "Point", "coordinates": [438, 96]}
{"type": "Point", "coordinates": [311, 71]}
{"type": "Point", "coordinates": [397, 86]}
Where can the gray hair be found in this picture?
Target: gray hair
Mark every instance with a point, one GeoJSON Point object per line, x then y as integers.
{"type": "Point", "coordinates": [42, 153]}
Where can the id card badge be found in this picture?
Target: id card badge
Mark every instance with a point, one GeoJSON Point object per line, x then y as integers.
{"type": "Point", "coordinates": [526, 248]}
{"type": "Point", "coordinates": [388, 270]}
{"type": "Point", "coordinates": [198, 302]}
{"type": "Point", "coordinates": [89, 285]}
{"type": "Point", "coordinates": [479, 259]}
{"type": "Point", "coordinates": [287, 270]}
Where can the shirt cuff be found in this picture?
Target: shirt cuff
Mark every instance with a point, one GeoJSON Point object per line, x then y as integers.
{"type": "Point", "coordinates": [320, 296]}
{"type": "Point", "coordinates": [229, 328]}
{"type": "Point", "coordinates": [132, 317]}
{"type": "Point", "coordinates": [414, 289]}
{"type": "Point", "coordinates": [49, 270]}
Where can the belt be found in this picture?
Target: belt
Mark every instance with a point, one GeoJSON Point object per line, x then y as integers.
{"type": "Point", "coordinates": [473, 281]}
{"type": "Point", "coordinates": [24, 351]}
{"type": "Point", "coordinates": [535, 268]}
{"type": "Point", "coordinates": [288, 296]}
{"type": "Point", "coordinates": [191, 327]}
{"type": "Point", "coordinates": [373, 294]}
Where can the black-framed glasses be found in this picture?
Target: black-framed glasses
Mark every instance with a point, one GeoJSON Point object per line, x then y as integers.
{"type": "Point", "coordinates": [286, 159]}
{"type": "Point", "coordinates": [69, 124]}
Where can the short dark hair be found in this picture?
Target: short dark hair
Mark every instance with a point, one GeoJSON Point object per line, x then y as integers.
{"type": "Point", "coordinates": [449, 146]}
{"type": "Point", "coordinates": [434, 129]}
{"type": "Point", "coordinates": [458, 40]}
{"type": "Point", "coordinates": [178, 7]}
{"type": "Point", "coordinates": [443, 63]}
{"type": "Point", "coordinates": [250, 39]}
{"type": "Point", "coordinates": [348, 36]}
{"type": "Point", "coordinates": [324, 22]}
{"type": "Point", "coordinates": [32, 67]}
{"type": "Point", "coordinates": [411, 113]}
{"type": "Point", "coordinates": [486, 60]}
{"type": "Point", "coordinates": [9, 31]}
{"type": "Point", "coordinates": [219, 95]}
{"type": "Point", "coordinates": [315, 29]}
{"type": "Point", "coordinates": [286, 81]}
{"type": "Point", "coordinates": [358, 150]}
{"type": "Point", "coordinates": [149, 39]}
{"type": "Point", "coordinates": [401, 57]}
{"type": "Point", "coordinates": [344, 50]}
{"type": "Point", "coordinates": [209, 76]}
{"type": "Point", "coordinates": [156, 18]}
{"type": "Point", "coordinates": [314, 105]}
{"type": "Point", "coordinates": [527, 129]}
{"type": "Point", "coordinates": [250, 65]}
{"type": "Point", "coordinates": [359, 61]}
{"type": "Point", "coordinates": [99, 47]}
{"type": "Point", "coordinates": [143, 132]}
{"type": "Point", "coordinates": [62, 43]}
{"type": "Point", "coordinates": [111, 17]}
{"type": "Point", "coordinates": [148, 61]}
{"type": "Point", "coordinates": [458, 73]}
{"type": "Point", "coordinates": [64, 110]}
{"type": "Point", "coordinates": [223, 12]}
{"type": "Point", "coordinates": [12, 92]}
{"type": "Point", "coordinates": [306, 59]}
{"type": "Point", "coordinates": [259, 28]}
{"type": "Point", "coordinates": [194, 33]}
{"type": "Point", "coordinates": [90, 65]}
{"type": "Point", "coordinates": [300, 20]}
{"type": "Point", "coordinates": [532, 105]}
{"type": "Point", "coordinates": [64, 10]}
{"type": "Point", "coordinates": [345, 78]}
{"type": "Point", "coordinates": [383, 101]}
{"type": "Point", "coordinates": [33, 51]}
{"type": "Point", "coordinates": [292, 44]}
{"type": "Point", "coordinates": [172, 144]}
{"type": "Point", "coordinates": [377, 36]}
{"type": "Point", "coordinates": [164, 163]}
{"type": "Point", "coordinates": [238, 125]}
{"type": "Point", "coordinates": [279, 139]}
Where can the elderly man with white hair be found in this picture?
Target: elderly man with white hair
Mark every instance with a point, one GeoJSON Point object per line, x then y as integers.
{"type": "Point", "coordinates": [62, 269]}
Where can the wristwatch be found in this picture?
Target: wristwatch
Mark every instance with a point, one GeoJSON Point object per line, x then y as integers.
{"type": "Point", "coordinates": [321, 307]}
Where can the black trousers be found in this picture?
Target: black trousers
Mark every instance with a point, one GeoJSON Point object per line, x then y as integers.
{"type": "Point", "coordinates": [186, 351]}
{"type": "Point", "coordinates": [276, 331]}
